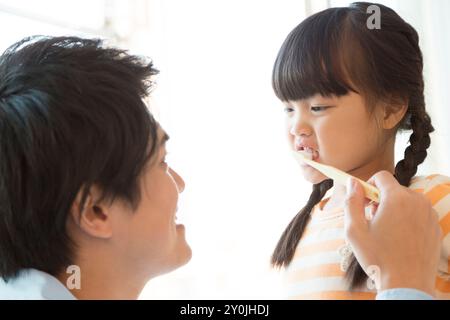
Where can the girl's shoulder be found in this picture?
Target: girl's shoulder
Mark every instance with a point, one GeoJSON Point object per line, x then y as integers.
{"type": "Point", "coordinates": [436, 188]}
{"type": "Point", "coordinates": [428, 183]}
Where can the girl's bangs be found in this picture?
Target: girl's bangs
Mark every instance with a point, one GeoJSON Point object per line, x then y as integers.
{"type": "Point", "coordinates": [311, 60]}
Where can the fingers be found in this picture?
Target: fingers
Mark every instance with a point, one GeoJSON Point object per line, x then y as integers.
{"type": "Point", "coordinates": [355, 222]}
{"type": "Point", "coordinates": [384, 181]}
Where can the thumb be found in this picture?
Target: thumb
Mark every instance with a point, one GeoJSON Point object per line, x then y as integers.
{"type": "Point", "coordinates": [355, 221]}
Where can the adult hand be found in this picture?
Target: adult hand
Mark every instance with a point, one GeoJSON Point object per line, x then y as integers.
{"type": "Point", "coordinates": [401, 241]}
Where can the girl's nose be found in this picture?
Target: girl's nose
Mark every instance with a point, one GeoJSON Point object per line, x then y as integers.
{"type": "Point", "coordinates": [300, 128]}
{"type": "Point", "coordinates": [178, 180]}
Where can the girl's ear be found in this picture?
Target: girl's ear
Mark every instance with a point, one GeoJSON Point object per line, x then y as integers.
{"type": "Point", "coordinates": [393, 114]}
{"type": "Point", "coordinates": [94, 218]}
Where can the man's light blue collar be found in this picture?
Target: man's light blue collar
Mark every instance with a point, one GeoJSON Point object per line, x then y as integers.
{"type": "Point", "coordinates": [32, 284]}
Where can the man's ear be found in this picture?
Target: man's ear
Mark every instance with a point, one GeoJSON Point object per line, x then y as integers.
{"type": "Point", "coordinates": [94, 217]}
{"type": "Point", "coordinates": [393, 114]}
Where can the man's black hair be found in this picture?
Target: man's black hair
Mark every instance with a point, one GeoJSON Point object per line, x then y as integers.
{"type": "Point", "coordinates": [72, 115]}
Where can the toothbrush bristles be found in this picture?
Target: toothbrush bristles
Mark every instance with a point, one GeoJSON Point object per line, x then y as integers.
{"type": "Point", "coordinates": [306, 154]}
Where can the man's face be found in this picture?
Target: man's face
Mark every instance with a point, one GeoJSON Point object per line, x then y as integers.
{"type": "Point", "coordinates": [149, 238]}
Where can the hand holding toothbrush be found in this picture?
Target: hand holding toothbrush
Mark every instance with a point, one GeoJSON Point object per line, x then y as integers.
{"type": "Point", "coordinates": [402, 239]}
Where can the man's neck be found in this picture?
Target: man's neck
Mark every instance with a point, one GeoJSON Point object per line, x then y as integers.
{"type": "Point", "coordinates": [105, 281]}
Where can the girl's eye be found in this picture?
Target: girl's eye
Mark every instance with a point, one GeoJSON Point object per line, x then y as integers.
{"type": "Point", "coordinates": [319, 108]}
{"type": "Point", "coordinates": [288, 110]}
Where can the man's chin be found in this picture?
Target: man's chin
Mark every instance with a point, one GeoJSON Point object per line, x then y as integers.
{"type": "Point", "coordinates": [183, 255]}
{"type": "Point", "coordinates": [178, 261]}
{"type": "Point", "coordinates": [186, 256]}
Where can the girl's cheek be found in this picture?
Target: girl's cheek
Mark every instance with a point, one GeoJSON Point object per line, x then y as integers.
{"type": "Point", "coordinates": [289, 134]}
{"type": "Point", "coordinates": [334, 146]}
{"type": "Point", "coordinates": [288, 126]}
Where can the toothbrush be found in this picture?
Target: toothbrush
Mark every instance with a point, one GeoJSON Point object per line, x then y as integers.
{"type": "Point", "coordinates": [337, 175]}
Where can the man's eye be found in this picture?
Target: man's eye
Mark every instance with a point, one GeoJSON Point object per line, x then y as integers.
{"type": "Point", "coordinates": [319, 108]}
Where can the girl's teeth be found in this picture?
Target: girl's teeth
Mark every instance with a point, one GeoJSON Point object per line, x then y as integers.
{"type": "Point", "coordinates": [307, 154]}
{"type": "Point", "coordinates": [313, 153]}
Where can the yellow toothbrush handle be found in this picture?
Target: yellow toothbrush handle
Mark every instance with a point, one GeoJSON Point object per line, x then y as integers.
{"type": "Point", "coordinates": [371, 192]}
{"type": "Point", "coordinates": [339, 176]}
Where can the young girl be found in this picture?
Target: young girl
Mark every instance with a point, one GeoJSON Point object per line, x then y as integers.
{"type": "Point", "coordinates": [347, 91]}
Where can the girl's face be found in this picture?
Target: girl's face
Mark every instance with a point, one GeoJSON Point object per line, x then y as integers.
{"type": "Point", "coordinates": [341, 132]}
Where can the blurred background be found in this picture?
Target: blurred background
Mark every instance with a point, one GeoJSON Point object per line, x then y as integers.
{"type": "Point", "coordinates": [215, 99]}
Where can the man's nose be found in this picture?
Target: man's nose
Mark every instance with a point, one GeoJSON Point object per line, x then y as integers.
{"type": "Point", "coordinates": [179, 181]}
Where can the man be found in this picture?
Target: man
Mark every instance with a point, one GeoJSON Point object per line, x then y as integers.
{"type": "Point", "coordinates": [87, 201]}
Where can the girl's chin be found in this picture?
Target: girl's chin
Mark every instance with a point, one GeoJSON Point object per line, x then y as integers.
{"type": "Point", "coordinates": [312, 175]}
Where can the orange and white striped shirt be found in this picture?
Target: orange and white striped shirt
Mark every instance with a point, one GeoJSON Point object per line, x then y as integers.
{"type": "Point", "coordinates": [316, 269]}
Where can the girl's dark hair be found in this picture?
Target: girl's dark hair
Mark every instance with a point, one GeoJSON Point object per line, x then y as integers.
{"type": "Point", "coordinates": [334, 52]}
{"type": "Point", "coordinates": [72, 115]}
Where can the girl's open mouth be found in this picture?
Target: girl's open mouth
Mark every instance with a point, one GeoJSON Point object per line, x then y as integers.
{"type": "Point", "coordinates": [313, 154]}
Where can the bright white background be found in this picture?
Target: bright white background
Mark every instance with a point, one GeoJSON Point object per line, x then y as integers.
{"type": "Point", "coordinates": [215, 100]}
